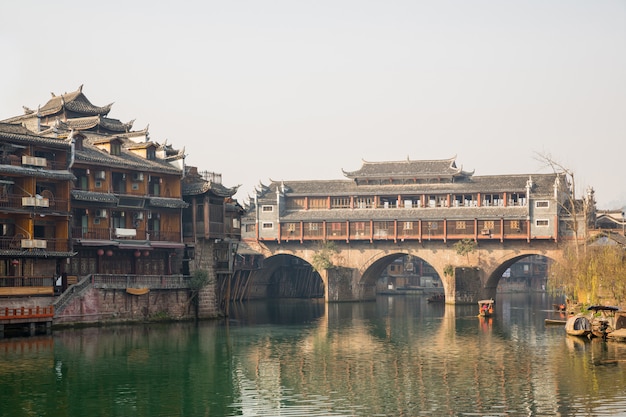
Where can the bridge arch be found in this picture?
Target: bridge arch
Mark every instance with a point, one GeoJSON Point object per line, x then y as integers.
{"type": "Point", "coordinates": [360, 264]}
{"type": "Point", "coordinates": [286, 275]}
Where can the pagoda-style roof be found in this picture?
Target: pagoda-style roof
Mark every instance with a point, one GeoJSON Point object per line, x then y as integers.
{"type": "Point", "coordinates": [407, 170]}
{"type": "Point", "coordinates": [99, 123]}
{"type": "Point", "coordinates": [195, 184]}
{"type": "Point", "coordinates": [92, 155]}
{"type": "Point", "coordinates": [75, 102]}
{"type": "Point", "coordinates": [20, 134]}
{"type": "Point", "coordinates": [543, 184]}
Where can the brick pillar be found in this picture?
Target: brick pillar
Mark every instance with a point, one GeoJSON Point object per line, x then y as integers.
{"type": "Point", "coordinates": [204, 260]}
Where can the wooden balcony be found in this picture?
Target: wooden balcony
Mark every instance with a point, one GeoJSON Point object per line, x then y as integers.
{"type": "Point", "coordinates": [43, 203]}
{"type": "Point", "coordinates": [109, 233]}
{"type": "Point", "coordinates": [51, 245]}
{"type": "Point", "coordinates": [26, 286]}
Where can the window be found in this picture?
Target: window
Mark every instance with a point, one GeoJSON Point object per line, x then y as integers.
{"type": "Point", "coordinates": [295, 203]}
{"type": "Point", "coordinates": [340, 202]}
{"type": "Point", "coordinates": [268, 226]}
{"type": "Point", "coordinates": [267, 209]}
{"type": "Point", "coordinates": [542, 223]}
{"type": "Point", "coordinates": [98, 184]}
{"type": "Point", "coordinates": [460, 225]}
{"type": "Point", "coordinates": [515, 225]}
{"type": "Point", "coordinates": [116, 148]}
{"type": "Point", "coordinates": [313, 226]}
{"type": "Point", "coordinates": [291, 227]}
{"type": "Point", "coordinates": [489, 224]}
{"type": "Point", "coordinates": [317, 203]}
{"type": "Point", "coordinates": [542, 204]}
{"type": "Point", "coordinates": [364, 202]}
{"type": "Point", "coordinates": [408, 226]}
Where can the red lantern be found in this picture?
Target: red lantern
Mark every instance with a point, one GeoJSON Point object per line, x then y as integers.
{"type": "Point", "coordinates": [137, 254]}
{"type": "Point", "coordinates": [100, 252]}
{"type": "Point", "coordinates": [109, 252]}
{"type": "Point", "coordinates": [146, 253]}
{"type": "Point", "coordinates": [15, 262]}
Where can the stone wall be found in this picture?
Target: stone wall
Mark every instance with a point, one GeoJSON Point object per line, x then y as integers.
{"type": "Point", "coordinates": [101, 306]}
{"type": "Point", "coordinates": [205, 260]}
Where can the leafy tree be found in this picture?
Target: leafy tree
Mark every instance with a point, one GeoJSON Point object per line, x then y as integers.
{"type": "Point", "coordinates": [465, 247]}
{"type": "Point", "coordinates": [323, 257]}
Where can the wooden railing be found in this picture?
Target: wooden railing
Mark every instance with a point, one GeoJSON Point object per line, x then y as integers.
{"type": "Point", "coordinates": [15, 243]}
{"type": "Point", "coordinates": [121, 282]}
{"type": "Point", "coordinates": [43, 204]}
{"type": "Point", "coordinates": [26, 313]}
{"type": "Point", "coordinates": [108, 233]}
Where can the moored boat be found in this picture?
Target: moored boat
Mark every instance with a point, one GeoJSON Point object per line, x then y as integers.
{"type": "Point", "coordinates": [485, 308]}
{"type": "Point", "coordinates": [603, 320]}
{"type": "Point", "coordinates": [437, 298]}
{"type": "Point", "coordinates": [578, 325]}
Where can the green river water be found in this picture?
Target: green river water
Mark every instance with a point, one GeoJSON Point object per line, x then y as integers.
{"type": "Point", "coordinates": [398, 356]}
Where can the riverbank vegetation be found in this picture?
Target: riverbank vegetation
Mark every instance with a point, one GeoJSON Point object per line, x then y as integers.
{"type": "Point", "coordinates": [596, 275]}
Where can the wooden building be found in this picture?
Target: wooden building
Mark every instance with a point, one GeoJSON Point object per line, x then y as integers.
{"type": "Point", "coordinates": [126, 198]}
{"type": "Point", "coordinates": [412, 200]}
{"type": "Point", "coordinates": [35, 213]}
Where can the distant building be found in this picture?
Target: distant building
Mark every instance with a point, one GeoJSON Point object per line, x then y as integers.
{"type": "Point", "coordinates": [413, 200]}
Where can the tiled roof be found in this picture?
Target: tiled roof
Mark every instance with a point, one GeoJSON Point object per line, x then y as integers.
{"type": "Point", "coordinates": [92, 155]}
{"type": "Point", "coordinates": [445, 168]}
{"type": "Point", "coordinates": [75, 102]}
{"type": "Point", "coordinates": [21, 135]}
{"type": "Point", "coordinates": [36, 253]}
{"type": "Point", "coordinates": [167, 202]}
{"type": "Point", "coordinates": [94, 197]}
{"type": "Point", "coordinates": [195, 184]}
{"type": "Point", "coordinates": [62, 175]}
{"type": "Point", "coordinates": [88, 123]}
{"type": "Point", "coordinates": [543, 184]}
{"type": "Point", "coordinates": [404, 214]}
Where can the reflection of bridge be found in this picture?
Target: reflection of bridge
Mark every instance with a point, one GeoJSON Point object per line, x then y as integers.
{"type": "Point", "coordinates": [362, 263]}
{"type": "Point", "coordinates": [421, 208]}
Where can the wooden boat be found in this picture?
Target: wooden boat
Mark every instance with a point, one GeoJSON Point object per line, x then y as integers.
{"type": "Point", "coordinates": [137, 291]}
{"type": "Point", "coordinates": [578, 325]}
{"type": "Point", "coordinates": [436, 298]}
{"type": "Point", "coordinates": [555, 321]}
{"type": "Point", "coordinates": [603, 320]}
{"type": "Point", "coordinates": [485, 308]}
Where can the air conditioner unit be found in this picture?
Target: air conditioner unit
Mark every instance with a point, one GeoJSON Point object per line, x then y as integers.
{"type": "Point", "coordinates": [101, 213]}
{"type": "Point", "coordinates": [100, 175]}
{"type": "Point", "coordinates": [34, 161]}
{"type": "Point", "coordinates": [138, 176]}
{"type": "Point", "coordinates": [138, 215]}
{"type": "Point", "coordinates": [35, 202]}
{"type": "Point", "coordinates": [34, 243]}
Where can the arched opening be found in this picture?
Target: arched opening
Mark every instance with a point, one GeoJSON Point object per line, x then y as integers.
{"type": "Point", "coordinates": [287, 276]}
{"type": "Point", "coordinates": [401, 273]}
{"type": "Point", "coordinates": [524, 273]}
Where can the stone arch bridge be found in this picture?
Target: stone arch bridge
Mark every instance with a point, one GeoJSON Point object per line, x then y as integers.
{"type": "Point", "coordinates": [358, 265]}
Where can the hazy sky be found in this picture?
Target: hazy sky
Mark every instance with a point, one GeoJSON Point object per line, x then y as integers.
{"type": "Point", "coordinates": [292, 90]}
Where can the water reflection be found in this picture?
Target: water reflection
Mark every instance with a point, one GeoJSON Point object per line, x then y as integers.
{"type": "Point", "coordinates": [395, 356]}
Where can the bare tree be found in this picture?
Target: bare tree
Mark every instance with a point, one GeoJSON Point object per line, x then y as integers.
{"type": "Point", "coordinates": [569, 204]}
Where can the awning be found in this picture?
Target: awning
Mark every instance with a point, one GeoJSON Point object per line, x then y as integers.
{"type": "Point", "coordinates": [96, 242]}
{"type": "Point", "coordinates": [167, 245]}
{"type": "Point", "coordinates": [134, 245]}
